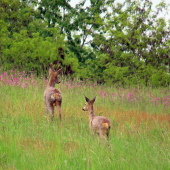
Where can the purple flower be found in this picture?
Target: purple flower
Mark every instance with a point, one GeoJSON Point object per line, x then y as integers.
{"type": "Point", "coordinates": [4, 74]}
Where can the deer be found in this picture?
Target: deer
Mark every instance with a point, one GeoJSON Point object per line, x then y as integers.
{"type": "Point", "coordinates": [99, 124]}
{"type": "Point", "coordinates": [52, 96]}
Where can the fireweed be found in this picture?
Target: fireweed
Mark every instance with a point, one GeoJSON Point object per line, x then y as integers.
{"type": "Point", "coordinates": [118, 96]}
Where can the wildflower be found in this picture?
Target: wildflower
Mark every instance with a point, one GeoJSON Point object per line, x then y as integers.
{"type": "Point", "coordinates": [5, 73]}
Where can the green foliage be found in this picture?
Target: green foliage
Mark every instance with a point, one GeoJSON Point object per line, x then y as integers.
{"type": "Point", "coordinates": [127, 44]}
{"type": "Point", "coordinates": [29, 46]}
{"type": "Point", "coordinates": [136, 44]}
{"type": "Point", "coordinates": [27, 52]}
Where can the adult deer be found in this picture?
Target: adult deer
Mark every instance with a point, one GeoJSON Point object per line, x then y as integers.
{"type": "Point", "coordinates": [52, 96]}
{"type": "Point", "coordinates": [99, 124]}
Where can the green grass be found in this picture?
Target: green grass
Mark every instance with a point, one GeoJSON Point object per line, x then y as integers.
{"type": "Point", "coordinates": [28, 141]}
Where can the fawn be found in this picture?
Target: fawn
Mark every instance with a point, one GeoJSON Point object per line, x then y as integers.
{"type": "Point", "coordinates": [52, 96]}
{"type": "Point", "coordinates": [100, 124]}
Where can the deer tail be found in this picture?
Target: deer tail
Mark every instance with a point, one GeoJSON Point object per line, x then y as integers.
{"type": "Point", "coordinates": [106, 125]}
{"type": "Point", "coordinates": [56, 96]}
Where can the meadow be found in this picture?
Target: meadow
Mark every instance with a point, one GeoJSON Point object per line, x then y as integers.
{"type": "Point", "coordinates": [139, 136]}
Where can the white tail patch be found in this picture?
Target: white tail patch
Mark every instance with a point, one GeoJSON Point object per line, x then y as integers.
{"type": "Point", "coordinates": [106, 125]}
{"type": "Point", "coordinates": [53, 97]}
{"type": "Point", "coordinates": [56, 96]}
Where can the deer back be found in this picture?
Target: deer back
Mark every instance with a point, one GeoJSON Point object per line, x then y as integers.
{"type": "Point", "coordinates": [99, 122]}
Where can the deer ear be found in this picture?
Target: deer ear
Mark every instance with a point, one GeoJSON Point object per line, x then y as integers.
{"type": "Point", "coordinates": [50, 71]}
{"type": "Point", "coordinates": [94, 99]}
{"type": "Point", "coordinates": [87, 100]}
{"type": "Point", "coordinates": [59, 71]}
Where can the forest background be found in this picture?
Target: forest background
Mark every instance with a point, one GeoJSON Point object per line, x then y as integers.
{"type": "Point", "coordinates": [121, 43]}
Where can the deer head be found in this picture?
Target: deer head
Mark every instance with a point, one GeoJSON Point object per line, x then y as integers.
{"type": "Point", "coordinates": [54, 75]}
{"type": "Point", "coordinates": [85, 108]}
{"type": "Point", "coordinates": [89, 103]}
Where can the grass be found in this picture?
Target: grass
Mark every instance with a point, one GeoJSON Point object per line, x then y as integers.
{"type": "Point", "coordinates": [140, 131]}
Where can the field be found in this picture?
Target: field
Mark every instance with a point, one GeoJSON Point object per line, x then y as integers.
{"type": "Point", "coordinates": [139, 138]}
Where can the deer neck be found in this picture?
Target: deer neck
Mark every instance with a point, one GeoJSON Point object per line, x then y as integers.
{"type": "Point", "coordinates": [91, 112]}
{"type": "Point", "coordinates": [51, 83]}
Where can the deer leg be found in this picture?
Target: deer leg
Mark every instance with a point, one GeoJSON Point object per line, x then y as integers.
{"type": "Point", "coordinates": [46, 111]}
{"type": "Point", "coordinates": [108, 135]}
{"type": "Point", "coordinates": [92, 133]}
{"type": "Point", "coordinates": [50, 107]}
{"type": "Point", "coordinates": [46, 107]}
{"type": "Point", "coordinates": [58, 105]}
{"type": "Point", "coordinates": [91, 130]}
{"type": "Point", "coordinates": [101, 134]}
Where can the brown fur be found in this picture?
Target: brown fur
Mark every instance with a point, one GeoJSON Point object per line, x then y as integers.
{"type": "Point", "coordinates": [99, 124]}
{"type": "Point", "coordinates": [52, 96]}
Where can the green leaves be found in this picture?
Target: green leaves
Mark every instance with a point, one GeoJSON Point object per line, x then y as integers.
{"type": "Point", "coordinates": [110, 42]}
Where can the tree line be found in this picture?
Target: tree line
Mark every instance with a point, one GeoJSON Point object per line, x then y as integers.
{"type": "Point", "coordinates": [113, 43]}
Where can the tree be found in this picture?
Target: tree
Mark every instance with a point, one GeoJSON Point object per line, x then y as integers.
{"type": "Point", "coordinates": [133, 37]}
{"type": "Point", "coordinates": [24, 44]}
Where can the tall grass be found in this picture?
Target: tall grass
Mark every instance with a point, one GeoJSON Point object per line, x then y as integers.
{"type": "Point", "coordinates": [140, 131]}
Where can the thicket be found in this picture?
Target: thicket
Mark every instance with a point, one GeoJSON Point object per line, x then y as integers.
{"type": "Point", "coordinates": [109, 42]}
